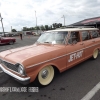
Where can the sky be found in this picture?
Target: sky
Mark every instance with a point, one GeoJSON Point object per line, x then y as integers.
{"type": "Point", "coordinates": [21, 13]}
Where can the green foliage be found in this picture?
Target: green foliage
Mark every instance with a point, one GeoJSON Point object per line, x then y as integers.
{"type": "Point", "coordinates": [57, 25]}
{"type": "Point", "coordinates": [46, 27]}
{"type": "Point", "coordinates": [43, 28]}
{"type": "Point", "coordinates": [14, 30]}
{"type": "Point", "coordinates": [24, 29]}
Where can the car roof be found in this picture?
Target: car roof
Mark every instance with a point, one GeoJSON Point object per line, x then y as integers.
{"type": "Point", "coordinates": [73, 29]}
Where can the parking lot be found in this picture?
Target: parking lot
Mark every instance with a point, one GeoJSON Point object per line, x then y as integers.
{"type": "Point", "coordinates": [77, 83]}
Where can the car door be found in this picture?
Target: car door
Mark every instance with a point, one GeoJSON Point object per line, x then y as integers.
{"type": "Point", "coordinates": [89, 42]}
{"type": "Point", "coordinates": [2, 40]}
{"type": "Point", "coordinates": [5, 40]}
{"type": "Point", "coordinates": [96, 38]}
{"type": "Point", "coordinates": [75, 49]}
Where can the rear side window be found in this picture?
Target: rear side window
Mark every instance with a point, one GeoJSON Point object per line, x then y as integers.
{"type": "Point", "coordinates": [74, 37]}
{"type": "Point", "coordinates": [85, 35]}
{"type": "Point", "coordinates": [95, 34]}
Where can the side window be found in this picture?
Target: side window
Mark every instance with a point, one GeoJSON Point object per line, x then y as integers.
{"type": "Point", "coordinates": [85, 35]}
{"type": "Point", "coordinates": [74, 37]}
{"type": "Point", "coordinates": [94, 34]}
{"type": "Point", "coordinates": [60, 37]}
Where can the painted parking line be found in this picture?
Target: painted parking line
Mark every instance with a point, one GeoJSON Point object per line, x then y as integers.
{"type": "Point", "coordinates": [91, 93]}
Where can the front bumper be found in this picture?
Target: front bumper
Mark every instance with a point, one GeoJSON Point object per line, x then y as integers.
{"type": "Point", "coordinates": [22, 80]}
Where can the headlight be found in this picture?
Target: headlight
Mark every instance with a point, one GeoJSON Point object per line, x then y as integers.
{"type": "Point", "coordinates": [21, 70]}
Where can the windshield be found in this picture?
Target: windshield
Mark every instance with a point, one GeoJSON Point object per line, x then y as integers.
{"type": "Point", "coordinates": [52, 37]}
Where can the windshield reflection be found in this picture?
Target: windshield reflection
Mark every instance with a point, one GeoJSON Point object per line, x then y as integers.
{"type": "Point", "coordinates": [52, 37]}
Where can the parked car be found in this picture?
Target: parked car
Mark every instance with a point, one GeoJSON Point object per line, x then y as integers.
{"type": "Point", "coordinates": [54, 50]}
{"type": "Point", "coordinates": [35, 34]}
{"type": "Point", "coordinates": [7, 40]}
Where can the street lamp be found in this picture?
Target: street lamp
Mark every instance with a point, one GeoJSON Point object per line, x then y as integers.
{"type": "Point", "coordinates": [36, 21]}
{"type": "Point", "coordinates": [64, 19]}
{"type": "Point", "coordinates": [2, 24]}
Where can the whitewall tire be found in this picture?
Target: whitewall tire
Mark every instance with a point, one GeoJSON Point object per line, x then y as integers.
{"type": "Point", "coordinates": [46, 75]}
{"type": "Point", "coordinates": [95, 54]}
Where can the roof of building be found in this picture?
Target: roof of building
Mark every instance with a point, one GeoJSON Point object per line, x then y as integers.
{"type": "Point", "coordinates": [73, 29]}
{"type": "Point", "coordinates": [89, 21]}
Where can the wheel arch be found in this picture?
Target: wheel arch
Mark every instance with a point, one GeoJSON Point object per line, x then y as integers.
{"type": "Point", "coordinates": [53, 65]}
{"type": "Point", "coordinates": [56, 70]}
{"type": "Point", "coordinates": [96, 49]}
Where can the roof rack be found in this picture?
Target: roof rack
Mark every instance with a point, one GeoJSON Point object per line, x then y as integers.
{"type": "Point", "coordinates": [80, 27]}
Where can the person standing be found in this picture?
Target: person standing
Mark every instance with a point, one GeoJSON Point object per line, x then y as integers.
{"type": "Point", "coordinates": [21, 35]}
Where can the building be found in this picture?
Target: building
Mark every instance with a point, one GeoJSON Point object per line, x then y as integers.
{"type": "Point", "coordinates": [88, 22]}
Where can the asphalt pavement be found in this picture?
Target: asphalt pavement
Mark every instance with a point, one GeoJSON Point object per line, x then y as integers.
{"type": "Point", "coordinates": [73, 84]}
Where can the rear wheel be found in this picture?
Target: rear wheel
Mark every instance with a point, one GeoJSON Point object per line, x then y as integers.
{"type": "Point", "coordinates": [46, 75]}
{"type": "Point", "coordinates": [95, 54]}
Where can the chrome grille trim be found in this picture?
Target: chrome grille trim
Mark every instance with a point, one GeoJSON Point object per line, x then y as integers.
{"type": "Point", "coordinates": [10, 66]}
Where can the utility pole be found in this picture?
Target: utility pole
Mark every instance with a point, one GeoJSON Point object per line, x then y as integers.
{"type": "Point", "coordinates": [2, 24]}
{"type": "Point", "coordinates": [36, 22]}
{"type": "Point", "coordinates": [64, 19]}
{"type": "Point", "coordinates": [11, 28]}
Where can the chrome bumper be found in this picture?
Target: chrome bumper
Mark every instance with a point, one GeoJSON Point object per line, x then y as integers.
{"type": "Point", "coordinates": [18, 78]}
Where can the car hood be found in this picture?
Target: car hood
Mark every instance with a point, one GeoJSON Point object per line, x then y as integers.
{"type": "Point", "coordinates": [27, 52]}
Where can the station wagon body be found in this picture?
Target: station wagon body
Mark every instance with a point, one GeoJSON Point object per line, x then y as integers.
{"type": "Point", "coordinates": [54, 50]}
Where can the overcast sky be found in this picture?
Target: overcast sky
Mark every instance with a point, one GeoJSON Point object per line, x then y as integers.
{"type": "Point", "coordinates": [21, 13]}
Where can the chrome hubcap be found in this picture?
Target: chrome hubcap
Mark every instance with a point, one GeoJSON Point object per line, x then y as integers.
{"type": "Point", "coordinates": [44, 73]}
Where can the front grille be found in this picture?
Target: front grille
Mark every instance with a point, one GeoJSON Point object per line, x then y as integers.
{"type": "Point", "coordinates": [10, 66]}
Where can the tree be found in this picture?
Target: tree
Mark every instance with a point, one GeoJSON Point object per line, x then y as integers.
{"type": "Point", "coordinates": [53, 25]}
{"type": "Point", "coordinates": [57, 25]}
{"type": "Point", "coordinates": [24, 29]}
{"type": "Point", "coordinates": [60, 25]}
{"type": "Point", "coordinates": [32, 28]}
{"type": "Point", "coordinates": [37, 28]}
{"type": "Point", "coordinates": [14, 30]}
{"type": "Point", "coordinates": [46, 27]}
{"type": "Point", "coordinates": [42, 28]}
{"type": "Point", "coordinates": [50, 27]}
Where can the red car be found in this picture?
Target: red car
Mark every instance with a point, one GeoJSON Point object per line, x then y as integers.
{"type": "Point", "coordinates": [7, 40]}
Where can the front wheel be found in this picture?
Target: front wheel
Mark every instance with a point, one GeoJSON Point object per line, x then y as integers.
{"type": "Point", "coordinates": [46, 75]}
{"type": "Point", "coordinates": [95, 54]}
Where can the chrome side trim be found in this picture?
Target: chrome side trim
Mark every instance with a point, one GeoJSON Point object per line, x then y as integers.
{"type": "Point", "coordinates": [91, 46]}
{"type": "Point", "coordinates": [45, 61]}
{"type": "Point", "coordinates": [14, 75]}
{"type": "Point", "coordinates": [60, 56]}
